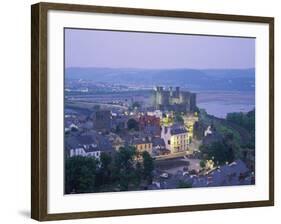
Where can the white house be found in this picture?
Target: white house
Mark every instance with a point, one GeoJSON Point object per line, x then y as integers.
{"type": "Point", "coordinates": [208, 131]}
{"type": "Point", "coordinates": [86, 145]}
{"type": "Point", "coordinates": [92, 152]}
{"type": "Point", "coordinates": [176, 138]}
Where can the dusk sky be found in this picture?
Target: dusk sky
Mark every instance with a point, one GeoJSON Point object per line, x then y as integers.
{"type": "Point", "coordinates": [113, 49]}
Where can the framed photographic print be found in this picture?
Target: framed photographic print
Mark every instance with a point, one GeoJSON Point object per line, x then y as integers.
{"type": "Point", "coordinates": [141, 111]}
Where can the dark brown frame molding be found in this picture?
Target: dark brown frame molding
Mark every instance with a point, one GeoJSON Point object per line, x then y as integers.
{"type": "Point", "coordinates": [39, 110]}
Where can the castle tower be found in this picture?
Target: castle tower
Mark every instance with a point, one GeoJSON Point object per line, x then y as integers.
{"type": "Point", "coordinates": [158, 96]}
{"type": "Point", "coordinates": [177, 91]}
{"type": "Point", "coordinates": [193, 102]}
{"type": "Point", "coordinates": [171, 91]}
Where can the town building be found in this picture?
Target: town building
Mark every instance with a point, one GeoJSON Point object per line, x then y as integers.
{"type": "Point", "coordinates": [88, 145]}
{"type": "Point", "coordinates": [235, 173]}
{"type": "Point", "coordinates": [208, 131]}
{"type": "Point", "coordinates": [211, 136]}
{"type": "Point", "coordinates": [119, 123]}
{"type": "Point", "coordinates": [189, 121]}
{"type": "Point", "coordinates": [150, 125]}
{"type": "Point", "coordinates": [147, 120]}
{"type": "Point", "coordinates": [116, 141]}
{"type": "Point", "coordinates": [156, 113]}
{"type": "Point", "coordinates": [101, 120]}
{"type": "Point", "coordinates": [143, 144]}
{"type": "Point", "coordinates": [176, 138]}
{"type": "Point", "coordinates": [180, 101]}
{"type": "Point", "coordinates": [159, 147]}
{"type": "Point", "coordinates": [72, 127]}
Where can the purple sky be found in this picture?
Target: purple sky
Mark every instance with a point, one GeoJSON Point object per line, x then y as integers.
{"type": "Point", "coordinates": [94, 48]}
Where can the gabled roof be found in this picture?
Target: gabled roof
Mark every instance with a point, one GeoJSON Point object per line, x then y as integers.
{"type": "Point", "coordinates": [71, 142]}
{"type": "Point", "coordinates": [86, 140]}
{"type": "Point", "coordinates": [158, 141]}
{"type": "Point", "coordinates": [141, 141]}
{"type": "Point", "coordinates": [102, 142]}
{"type": "Point", "coordinates": [91, 149]}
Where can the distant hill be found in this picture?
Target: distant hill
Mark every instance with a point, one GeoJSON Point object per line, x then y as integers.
{"type": "Point", "coordinates": [209, 79]}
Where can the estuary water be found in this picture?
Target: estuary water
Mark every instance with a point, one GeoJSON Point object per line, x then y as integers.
{"type": "Point", "coordinates": [219, 103]}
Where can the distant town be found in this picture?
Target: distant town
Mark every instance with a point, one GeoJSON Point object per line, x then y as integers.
{"type": "Point", "coordinates": [140, 137]}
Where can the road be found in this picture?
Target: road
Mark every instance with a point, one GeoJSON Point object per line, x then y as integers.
{"type": "Point", "coordinates": [171, 156]}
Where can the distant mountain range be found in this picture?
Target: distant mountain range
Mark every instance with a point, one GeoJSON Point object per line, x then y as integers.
{"type": "Point", "coordinates": [205, 79]}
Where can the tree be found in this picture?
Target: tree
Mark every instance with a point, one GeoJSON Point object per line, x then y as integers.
{"type": "Point", "coordinates": [183, 184]}
{"type": "Point", "coordinates": [80, 173]}
{"type": "Point", "coordinates": [198, 130]}
{"type": "Point", "coordinates": [133, 124]}
{"type": "Point", "coordinates": [246, 120]}
{"type": "Point", "coordinates": [105, 168]}
{"type": "Point", "coordinates": [202, 164]}
{"type": "Point", "coordinates": [124, 167]}
{"type": "Point", "coordinates": [218, 151]}
{"type": "Point", "coordinates": [231, 147]}
{"type": "Point", "coordinates": [138, 174]}
{"type": "Point", "coordinates": [148, 166]}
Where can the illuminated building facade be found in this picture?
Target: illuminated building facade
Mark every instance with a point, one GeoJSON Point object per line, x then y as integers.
{"type": "Point", "coordinates": [143, 145]}
{"type": "Point", "coordinates": [176, 138]}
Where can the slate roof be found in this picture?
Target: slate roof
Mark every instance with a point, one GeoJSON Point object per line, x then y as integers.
{"type": "Point", "coordinates": [91, 149]}
{"type": "Point", "coordinates": [71, 142]}
{"type": "Point", "coordinates": [102, 143]}
{"type": "Point", "coordinates": [141, 141]}
{"type": "Point", "coordinates": [177, 129]}
{"type": "Point", "coordinates": [158, 141]}
{"type": "Point", "coordinates": [235, 167]}
{"type": "Point", "coordinates": [86, 140]}
{"type": "Point", "coordinates": [229, 174]}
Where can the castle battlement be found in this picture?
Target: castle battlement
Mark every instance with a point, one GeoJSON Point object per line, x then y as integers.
{"type": "Point", "coordinates": [174, 99]}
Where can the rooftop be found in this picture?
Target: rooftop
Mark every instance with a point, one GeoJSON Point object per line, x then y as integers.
{"type": "Point", "coordinates": [178, 129]}
{"type": "Point", "coordinates": [158, 141]}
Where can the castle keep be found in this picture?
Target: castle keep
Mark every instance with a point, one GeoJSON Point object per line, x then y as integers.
{"type": "Point", "coordinates": [174, 99]}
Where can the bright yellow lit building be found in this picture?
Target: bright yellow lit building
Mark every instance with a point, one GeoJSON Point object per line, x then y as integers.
{"type": "Point", "coordinates": [143, 145]}
{"type": "Point", "coordinates": [179, 142]}
{"type": "Point", "coordinates": [176, 138]}
{"type": "Point", "coordinates": [189, 121]}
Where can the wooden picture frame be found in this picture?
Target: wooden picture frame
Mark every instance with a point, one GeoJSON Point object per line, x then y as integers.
{"type": "Point", "coordinates": [39, 110]}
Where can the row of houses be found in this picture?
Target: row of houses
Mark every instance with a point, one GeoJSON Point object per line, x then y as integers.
{"type": "Point", "coordinates": [102, 134]}
{"type": "Point", "coordinates": [172, 140]}
{"type": "Point", "coordinates": [95, 144]}
{"type": "Point", "coordinates": [91, 144]}
{"type": "Point", "coordinates": [233, 174]}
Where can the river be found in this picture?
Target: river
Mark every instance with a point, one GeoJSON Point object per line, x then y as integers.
{"type": "Point", "coordinates": [220, 103]}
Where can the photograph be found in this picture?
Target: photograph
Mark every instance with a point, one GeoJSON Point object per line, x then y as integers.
{"type": "Point", "coordinates": [154, 111]}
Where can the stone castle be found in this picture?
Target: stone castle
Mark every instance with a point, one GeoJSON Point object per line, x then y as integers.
{"type": "Point", "coordinates": [174, 99]}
